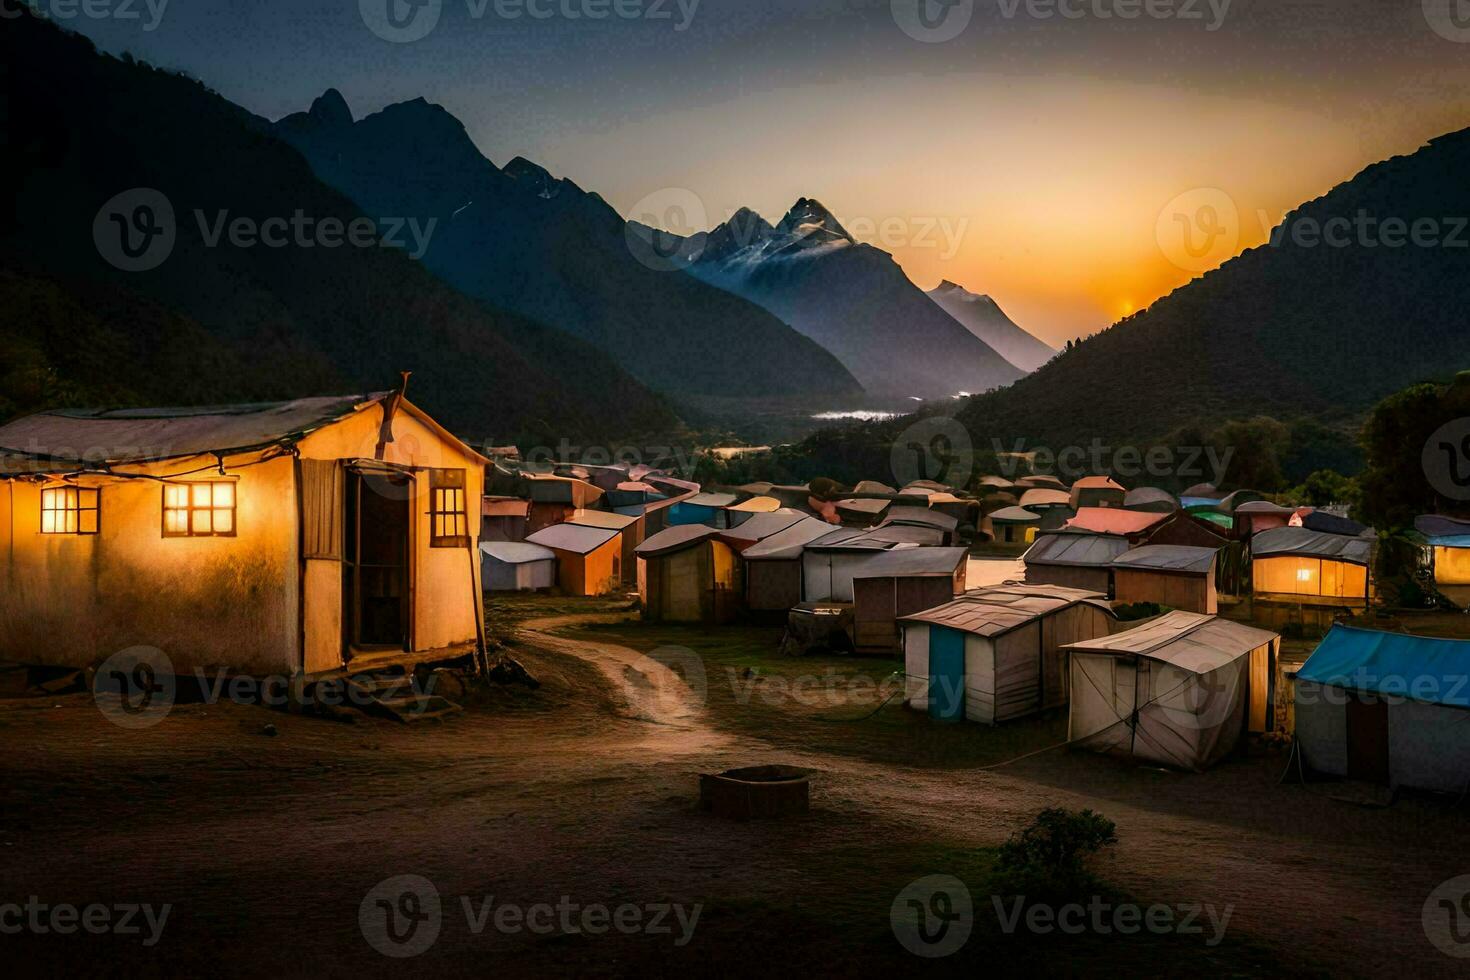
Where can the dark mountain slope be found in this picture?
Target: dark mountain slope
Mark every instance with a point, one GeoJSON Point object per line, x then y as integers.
{"type": "Point", "coordinates": [544, 247]}
{"type": "Point", "coordinates": [1292, 330]}
{"type": "Point", "coordinates": [250, 322]}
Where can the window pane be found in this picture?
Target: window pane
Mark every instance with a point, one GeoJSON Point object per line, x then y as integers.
{"type": "Point", "coordinates": [201, 494]}
{"type": "Point", "coordinates": [224, 521]}
{"type": "Point", "coordinates": [224, 494]}
{"type": "Point", "coordinates": [176, 496]}
{"type": "Point", "coordinates": [200, 522]}
{"type": "Point", "coordinates": [89, 522]}
{"type": "Point", "coordinates": [48, 522]}
{"type": "Point", "coordinates": [71, 522]}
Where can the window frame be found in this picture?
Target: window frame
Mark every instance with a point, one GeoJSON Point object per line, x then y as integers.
{"type": "Point", "coordinates": [448, 481]}
{"type": "Point", "coordinates": [79, 510]}
{"type": "Point", "coordinates": [191, 508]}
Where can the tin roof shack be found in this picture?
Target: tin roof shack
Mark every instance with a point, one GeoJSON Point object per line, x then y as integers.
{"type": "Point", "coordinates": [589, 560]}
{"type": "Point", "coordinates": [829, 563]}
{"type": "Point", "coordinates": [1074, 559]}
{"type": "Point", "coordinates": [630, 535]}
{"type": "Point", "coordinates": [1012, 528]}
{"type": "Point", "coordinates": [1170, 575]}
{"type": "Point", "coordinates": [504, 519]}
{"type": "Point", "coordinates": [1255, 516]}
{"type": "Point", "coordinates": [1097, 491]}
{"type": "Point", "coordinates": [554, 498]}
{"type": "Point", "coordinates": [1298, 565]}
{"type": "Point", "coordinates": [904, 516]}
{"type": "Point", "coordinates": [278, 538]}
{"type": "Point", "coordinates": [1386, 708]}
{"type": "Point", "coordinates": [1135, 525]}
{"type": "Point", "coordinates": [1448, 540]}
{"type": "Point", "coordinates": [1189, 530]}
{"type": "Point", "coordinates": [688, 575]}
{"type": "Point", "coordinates": [898, 583]}
{"type": "Point", "coordinates": [1181, 690]}
{"type": "Point", "coordinates": [515, 566]}
{"type": "Point", "coordinates": [772, 568]}
{"type": "Point", "coordinates": [862, 511]}
{"type": "Point", "coordinates": [995, 654]}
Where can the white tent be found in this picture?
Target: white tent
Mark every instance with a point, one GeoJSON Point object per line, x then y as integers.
{"type": "Point", "coordinates": [1179, 690]}
{"type": "Point", "coordinates": [513, 566]}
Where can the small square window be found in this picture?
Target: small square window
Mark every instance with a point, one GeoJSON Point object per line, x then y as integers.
{"type": "Point", "coordinates": [449, 522]}
{"type": "Point", "coordinates": [69, 510]}
{"type": "Point", "coordinates": [199, 510]}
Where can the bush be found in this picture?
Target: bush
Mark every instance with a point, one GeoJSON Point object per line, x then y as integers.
{"type": "Point", "coordinates": [1049, 858]}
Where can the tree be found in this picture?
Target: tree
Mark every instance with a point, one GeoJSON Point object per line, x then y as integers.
{"type": "Point", "coordinates": [1395, 485]}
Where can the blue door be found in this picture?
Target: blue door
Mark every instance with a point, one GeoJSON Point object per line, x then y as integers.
{"type": "Point", "coordinates": [946, 674]}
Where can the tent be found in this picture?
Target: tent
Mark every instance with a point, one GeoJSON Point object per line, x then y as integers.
{"type": "Point", "coordinates": [1178, 691]}
{"type": "Point", "coordinates": [995, 654]}
{"type": "Point", "coordinates": [1311, 566]}
{"type": "Point", "coordinates": [1013, 526]}
{"type": "Point", "coordinates": [1097, 491]}
{"type": "Point", "coordinates": [688, 575]}
{"type": "Point", "coordinates": [1449, 541]}
{"type": "Point", "coordinates": [630, 530]}
{"type": "Point", "coordinates": [772, 566]}
{"type": "Point", "coordinates": [897, 583]}
{"type": "Point", "coordinates": [1176, 576]}
{"type": "Point", "coordinates": [1075, 559]}
{"type": "Point", "coordinates": [1387, 708]}
{"type": "Point", "coordinates": [589, 559]}
{"type": "Point", "coordinates": [1151, 499]}
{"type": "Point", "coordinates": [1132, 524]}
{"type": "Point", "coordinates": [514, 566]}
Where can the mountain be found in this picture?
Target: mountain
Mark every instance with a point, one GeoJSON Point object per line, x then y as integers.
{"type": "Point", "coordinates": [98, 146]}
{"type": "Point", "coordinates": [527, 241]}
{"type": "Point", "coordinates": [851, 298]}
{"type": "Point", "coordinates": [1339, 309]}
{"type": "Point", "coordinates": [984, 318]}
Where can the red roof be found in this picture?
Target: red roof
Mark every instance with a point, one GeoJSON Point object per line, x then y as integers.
{"type": "Point", "coordinates": [1114, 520]}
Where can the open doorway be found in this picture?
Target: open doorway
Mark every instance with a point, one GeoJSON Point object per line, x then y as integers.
{"type": "Point", "coordinates": [376, 574]}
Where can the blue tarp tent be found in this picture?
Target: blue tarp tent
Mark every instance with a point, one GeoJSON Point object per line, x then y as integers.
{"type": "Point", "coordinates": [1424, 668]}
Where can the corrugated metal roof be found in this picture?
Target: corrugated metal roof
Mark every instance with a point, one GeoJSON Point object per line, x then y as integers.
{"type": "Point", "coordinates": [994, 611]}
{"type": "Point", "coordinates": [516, 552]}
{"type": "Point", "coordinates": [1312, 544]}
{"type": "Point", "coordinates": [1075, 548]}
{"type": "Point", "coordinates": [762, 526]}
{"type": "Point", "coordinates": [914, 563]}
{"type": "Point", "coordinates": [789, 543]}
{"type": "Point", "coordinates": [1189, 641]}
{"type": "Point", "coordinates": [1168, 558]}
{"type": "Point", "coordinates": [572, 537]}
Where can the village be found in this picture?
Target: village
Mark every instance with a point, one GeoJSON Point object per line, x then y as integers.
{"type": "Point", "coordinates": [282, 643]}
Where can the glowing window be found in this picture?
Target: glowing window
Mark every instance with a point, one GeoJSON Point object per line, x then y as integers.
{"type": "Point", "coordinates": [1304, 575]}
{"type": "Point", "coordinates": [69, 510]}
{"type": "Point", "coordinates": [198, 510]}
{"type": "Point", "coordinates": [449, 523]}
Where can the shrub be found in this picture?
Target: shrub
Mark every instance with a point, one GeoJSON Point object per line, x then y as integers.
{"type": "Point", "coordinates": [1049, 858]}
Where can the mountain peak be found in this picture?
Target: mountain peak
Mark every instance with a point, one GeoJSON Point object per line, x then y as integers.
{"type": "Point", "coordinates": [330, 109]}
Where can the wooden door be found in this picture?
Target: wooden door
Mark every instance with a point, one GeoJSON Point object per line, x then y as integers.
{"type": "Point", "coordinates": [1367, 738]}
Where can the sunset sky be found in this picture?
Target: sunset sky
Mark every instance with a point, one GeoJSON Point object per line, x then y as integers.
{"type": "Point", "coordinates": [1038, 159]}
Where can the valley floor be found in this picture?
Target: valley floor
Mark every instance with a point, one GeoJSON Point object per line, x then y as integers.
{"type": "Point", "coordinates": [267, 846]}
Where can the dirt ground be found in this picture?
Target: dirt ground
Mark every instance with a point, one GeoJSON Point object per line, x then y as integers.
{"type": "Point", "coordinates": [268, 848]}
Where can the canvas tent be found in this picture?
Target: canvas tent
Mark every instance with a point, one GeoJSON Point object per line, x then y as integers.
{"type": "Point", "coordinates": [1387, 708]}
{"type": "Point", "coordinates": [1312, 567]}
{"type": "Point", "coordinates": [897, 583]}
{"type": "Point", "coordinates": [1179, 691]}
{"type": "Point", "coordinates": [1097, 491]}
{"type": "Point", "coordinates": [589, 560]}
{"type": "Point", "coordinates": [1175, 576]}
{"type": "Point", "coordinates": [1075, 559]}
{"type": "Point", "coordinates": [995, 654]}
{"type": "Point", "coordinates": [514, 566]}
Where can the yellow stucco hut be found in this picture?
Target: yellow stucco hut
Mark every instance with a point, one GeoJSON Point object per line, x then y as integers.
{"type": "Point", "coordinates": [287, 538]}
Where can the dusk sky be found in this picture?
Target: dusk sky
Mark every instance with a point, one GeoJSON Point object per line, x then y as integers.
{"type": "Point", "coordinates": [1040, 159]}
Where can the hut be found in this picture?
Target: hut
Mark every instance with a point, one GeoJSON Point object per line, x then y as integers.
{"type": "Point", "coordinates": [1097, 491]}
{"type": "Point", "coordinates": [1176, 576]}
{"type": "Point", "coordinates": [945, 524]}
{"type": "Point", "coordinates": [553, 498]}
{"type": "Point", "coordinates": [589, 560]}
{"type": "Point", "coordinates": [995, 654]}
{"type": "Point", "coordinates": [1255, 516]}
{"type": "Point", "coordinates": [1180, 690]}
{"type": "Point", "coordinates": [504, 519]}
{"type": "Point", "coordinates": [1075, 559]}
{"type": "Point", "coordinates": [963, 509]}
{"type": "Point", "coordinates": [1184, 528]}
{"type": "Point", "coordinates": [1013, 527]}
{"type": "Point", "coordinates": [1054, 507]}
{"type": "Point", "coordinates": [1448, 540]}
{"type": "Point", "coordinates": [1151, 499]}
{"type": "Point", "coordinates": [1298, 565]}
{"type": "Point", "coordinates": [630, 534]}
{"type": "Point", "coordinates": [829, 563]}
{"type": "Point", "coordinates": [515, 566]}
{"type": "Point", "coordinates": [759, 527]}
{"type": "Point", "coordinates": [898, 583]}
{"type": "Point", "coordinates": [1135, 525]}
{"type": "Point", "coordinates": [1201, 495]}
{"type": "Point", "coordinates": [688, 575]}
{"type": "Point", "coordinates": [772, 567]}
{"type": "Point", "coordinates": [702, 508]}
{"type": "Point", "coordinates": [736, 513]}
{"type": "Point", "coordinates": [632, 493]}
{"type": "Point", "coordinates": [1386, 708]}
{"type": "Point", "coordinates": [285, 538]}
{"type": "Point", "coordinates": [862, 511]}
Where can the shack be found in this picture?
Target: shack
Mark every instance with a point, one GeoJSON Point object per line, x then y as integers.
{"type": "Point", "coordinates": [515, 566]}
{"type": "Point", "coordinates": [589, 560]}
{"type": "Point", "coordinates": [772, 568]}
{"type": "Point", "coordinates": [1074, 559]}
{"type": "Point", "coordinates": [1175, 576]}
{"type": "Point", "coordinates": [898, 583]}
{"type": "Point", "coordinates": [688, 575]}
